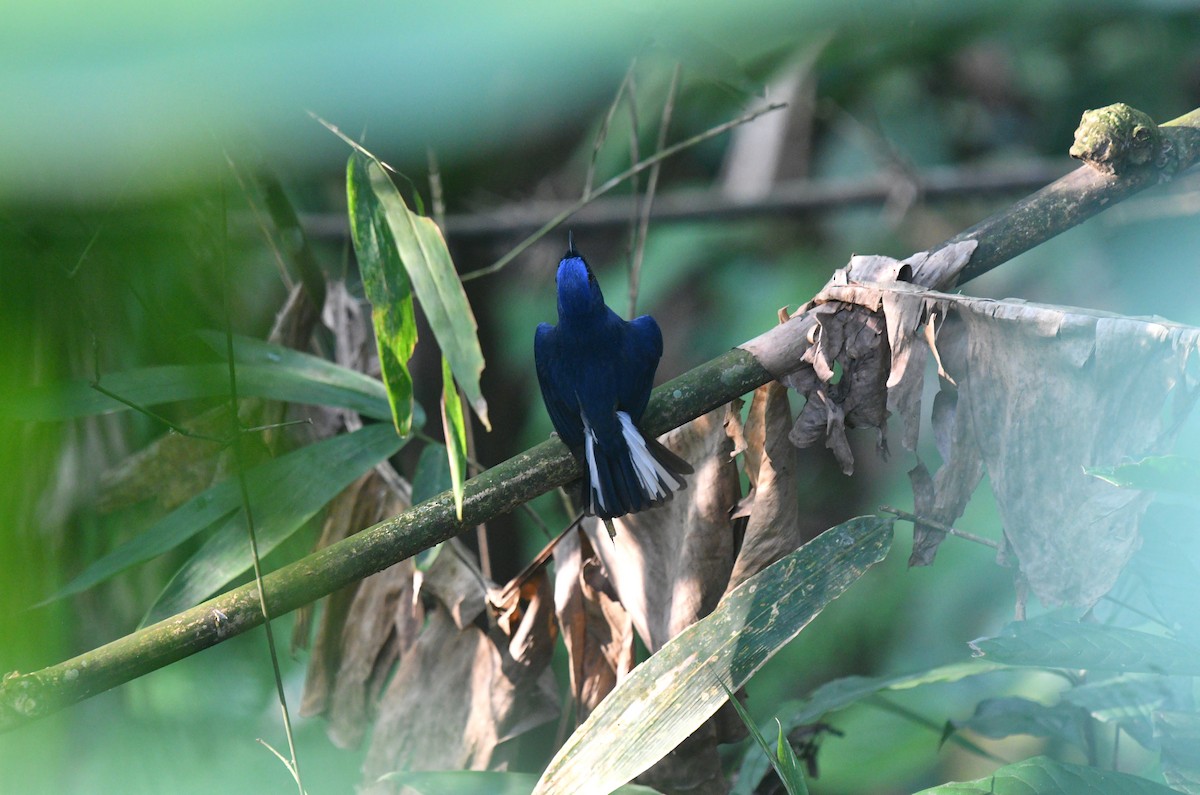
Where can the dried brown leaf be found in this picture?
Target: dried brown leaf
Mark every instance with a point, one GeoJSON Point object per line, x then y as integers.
{"type": "Point", "coordinates": [596, 628]}
{"type": "Point", "coordinates": [364, 628]}
{"type": "Point", "coordinates": [773, 527]}
{"type": "Point", "coordinates": [1053, 391]}
{"type": "Point", "coordinates": [455, 581]}
{"type": "Point", "coordinates": [455, 697]}
{"type": "Point", "coordinates": [461, 691]}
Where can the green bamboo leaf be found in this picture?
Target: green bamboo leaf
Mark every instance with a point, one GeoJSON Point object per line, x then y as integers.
{"type": "Point", "coordinates": [386, 284]}
{"type": "Point", "coordinates": [1175, 474]}
{"type": "Point", "coordinates": [304, 378]}
{"type": "Point", "coordinates": [1047, 777]}
{"type": "Point", "coordinates": [218, 503]}
{"type": "Point", "coordinates": [426, 260]}
{"type": "Point", "coordinates": [845, 692]}
{"type": "Point", "coordinates": [670, 695]}
{"type": "Point", "coordinates": [281, 503]}
{"type": "Point", "coordinates": [265, 371]}
{"type": "Point", "coordinates": [783, 758]}
{"type": "Point", "coordinates": [1054, 643]}
{"type": "Point", "coordinates": [454, 430]}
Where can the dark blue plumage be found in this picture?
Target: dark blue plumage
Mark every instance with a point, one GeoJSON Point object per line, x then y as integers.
{"type": "Point", "coordinates": [596, 371]}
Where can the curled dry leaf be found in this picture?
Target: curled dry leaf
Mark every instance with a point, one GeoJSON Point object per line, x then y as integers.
{"type": "Point", "coordinates": [870, 335]}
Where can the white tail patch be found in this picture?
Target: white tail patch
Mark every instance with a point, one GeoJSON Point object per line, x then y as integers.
{"type": "Point", "coordinates": [653, 476]}
{"type": "Point", "coordinates": [589, 447]}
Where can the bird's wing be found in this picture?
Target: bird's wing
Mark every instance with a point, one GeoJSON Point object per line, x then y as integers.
{"type": "Point", "coordinates": [641, 348]}
{"type": "Point", "coordinates": [556, 388]}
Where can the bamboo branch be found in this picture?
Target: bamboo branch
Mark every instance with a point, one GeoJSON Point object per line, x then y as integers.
{"type": "Point", "coordinates": [25, 697]}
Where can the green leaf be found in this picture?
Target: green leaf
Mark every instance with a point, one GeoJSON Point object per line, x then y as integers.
{"type": "Point", "coordinates": [304, 378]}
{"type": "Point", "coordinates": [670, 695]}
{"type": "Point", "coordinates": [218, 502]}
{"type": "Point", "coordinates": [783, 759]}
{"type": "Point", "coordinates": [1129, 700]}
{"type": "Point", "coordinates": [432, 475]}
{"type": "Point", "coordinates": [1054, 643]}
{"type": "Point", "coordinates": [386, 284]}
{"type": "Point", "coordinates": [998, 718]}
{"type": "Point", "coordinates": [454, 430]}
{"type": "Point", "coordinates": [152, 386]}
{"type": "Point", "coordinates": [1047, 777]}
{"type": "Point", "coordinates": [281, 502]}
{"type": "Point", "coordinates": [1168, 473]}
{"type": "Point", "coordinates": [479, 782]}
{"type": "Point", "coordinates": [426, 260]}
{"type": "Point", "coordinates": [845, 692]}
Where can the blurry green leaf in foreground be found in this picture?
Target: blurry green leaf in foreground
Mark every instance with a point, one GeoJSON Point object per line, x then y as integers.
{"type": "Point", "coordinates": [845, 692]}
{"type": "Point", "coordinates": [454, 431]}
{"type": "Point", "coordinates": [783, 756]}
{"type": "Point", "coordinates": [152, 386]}
{"type": "Point", "coordinates": [425, 259]}
{"type": "Point", "coordinates": [1047, 777]}
{"type": "Point", "coordinates": [1170, 473]}
{"type": "Point", "coordinates": [1053, 643]}
{"type": "Point", "coordinates": [479, 782]}
{"type": "Point", "coordinates": [282, 487]}
{"type": "Point", "coordinates": [280, 506]}
{"type": "Point", "coordinates": [670, 695]}
{"type": "Point", "coordinates": [304, 378]}
{"type": "Point", "coordinates": [386, 285]}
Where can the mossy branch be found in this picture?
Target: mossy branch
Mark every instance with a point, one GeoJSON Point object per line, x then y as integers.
{"type": "Point", "coordinates": [1050, 211]}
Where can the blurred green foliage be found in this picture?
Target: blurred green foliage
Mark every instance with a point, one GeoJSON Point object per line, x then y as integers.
{"type": "Point", "coordinates": [113, 194]}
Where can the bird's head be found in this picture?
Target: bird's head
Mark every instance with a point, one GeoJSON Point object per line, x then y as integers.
{"type": "Point", "coordinates": [578, 291]}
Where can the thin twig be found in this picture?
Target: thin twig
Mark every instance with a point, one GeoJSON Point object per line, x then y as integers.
{"type": "Point", "coordinates": [244, 490]}
{"type": "Point", "coordinates": [602, 133]}
{"type": "Point", "coordinates": [635, 209]}
{"type": "Point", "coordinates": [936, 525]}
{"type": "Point", "coordinates": [670, 151]}
{"type": "Point", "coordinates": [643, 229]}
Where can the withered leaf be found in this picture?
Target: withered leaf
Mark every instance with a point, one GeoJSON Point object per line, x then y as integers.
{"type": "Point", "coordinates": [773, 526]}
{"type": "Point", "coordinates": [364, 628]}
{"type": "Point", "coordinates": [459, 692]}
{"type": "Point", "coordinates": [596, 628]}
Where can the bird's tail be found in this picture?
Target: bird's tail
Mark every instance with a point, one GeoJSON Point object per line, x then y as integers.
{"type": "Point", "coordinates": [628, 472]}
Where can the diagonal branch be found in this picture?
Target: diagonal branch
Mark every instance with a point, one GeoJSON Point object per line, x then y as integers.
{"type": "Point", "coordinates": [25, 697]}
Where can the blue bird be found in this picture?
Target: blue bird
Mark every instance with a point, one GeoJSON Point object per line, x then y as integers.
{"type": "Point", "coordinates": [596, 371]}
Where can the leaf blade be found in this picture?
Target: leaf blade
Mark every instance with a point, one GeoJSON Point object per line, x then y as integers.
{"type": "Point", "coordinates": [426, 259]}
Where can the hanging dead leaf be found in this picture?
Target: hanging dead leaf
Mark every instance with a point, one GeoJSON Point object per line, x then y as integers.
{"type": "Point", "coordinates": [1053, 390]}
{"type": "Point", "coordinates": [596, 628]}
{"type": "Point", "coordinates": [364, 628]}
{"type": "Point", "coordinates": [773, 526]}
{"type": "Point", "coordinates": [460, 692]}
